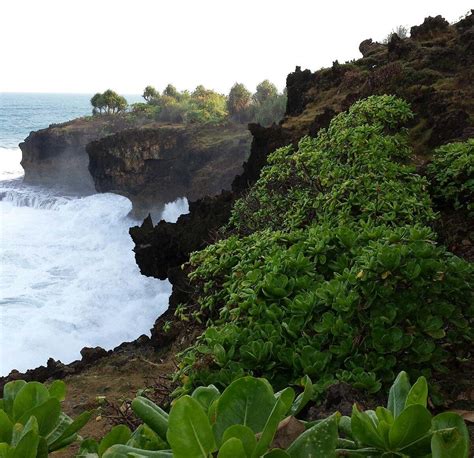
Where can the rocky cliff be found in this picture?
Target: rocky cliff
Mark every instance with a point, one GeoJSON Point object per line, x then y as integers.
{"type": "Point", "coordinates": [56, 156]}
{"type": "Point", "coordinates": [155, 165]}
{"type": "Point", "coordinates": [433, 70]}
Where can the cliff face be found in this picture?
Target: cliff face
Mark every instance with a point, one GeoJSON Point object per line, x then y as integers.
{"type": "Point", "coordinates": [57, 155]}
{"type": "Point", "coordinates": [155, 165]}
{"type": "Point", "coordinates": [433, 70]}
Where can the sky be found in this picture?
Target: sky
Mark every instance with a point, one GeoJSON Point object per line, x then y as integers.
{"type": "Point", "coordinates": [88, 46]}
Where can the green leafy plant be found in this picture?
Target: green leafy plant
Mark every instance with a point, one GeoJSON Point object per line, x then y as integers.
{"type": "Point", "coordinates": [31, 421]}
{"type": "Point", "coordinates": [245, 419]}
{"type": "Point", "coordinates": [405, 428]}
{"type": "Point", "coordinates": [452, 173]}
{"type": "Point", "coordinates": [329, 268]}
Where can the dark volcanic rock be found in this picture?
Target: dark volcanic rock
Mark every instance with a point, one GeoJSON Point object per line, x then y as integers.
{"type": "Point", "coordinates": [56, 156]}
{"type": "Point", "coordinates": [431, 27]}
{"type": "Point", "coordinates": [153, 166]}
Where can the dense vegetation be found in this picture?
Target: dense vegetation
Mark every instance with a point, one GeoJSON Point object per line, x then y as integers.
{"type": "Point", "coordinates": [329, 268]}
{"type": "Point", "coordinates": [247, 420]}
{"type": "Point", "coordinates": [452, 172]}
{"type": "Point", "coordinates": [203, 105]}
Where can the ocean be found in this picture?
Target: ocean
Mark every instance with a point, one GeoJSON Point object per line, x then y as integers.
{"type": "Point", "coordinates": [68, 277]}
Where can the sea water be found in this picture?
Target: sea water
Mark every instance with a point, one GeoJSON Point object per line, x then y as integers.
{"type": "Point", "coordinates": [68, 276]}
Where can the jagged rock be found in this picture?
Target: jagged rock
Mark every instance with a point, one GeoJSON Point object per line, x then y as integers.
{"type": "Point", "coordinates": [369, 47]}
{"type": "Point", "coordinates": [90, 354]}
{"type": "Point", "coordinates": [57, 155]}
{"type": "Point", "coordinates": [431, 27]}
{"type": "Point", "coordinates": [153, 166]}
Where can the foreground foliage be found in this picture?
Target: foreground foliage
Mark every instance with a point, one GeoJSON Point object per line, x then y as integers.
{"type": "Point", "coordinates": [31, 421]}
{"type": "Point", "coordinates": [452, 170]}
{"type": "Point", "coordinates": [329, 267]}
{"type": "Point", "coordinates": [248, 419]}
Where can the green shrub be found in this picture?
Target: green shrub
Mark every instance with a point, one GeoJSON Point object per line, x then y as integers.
{"type": "Point", "coordinates": [243, 421]}
{"type": "Point", "coordinates": [331, 269]}
{"type": "Point", "coordinates": [452, 172]}
{"type": "Point", "coordinates": [354, 304]}
{"type": "Point", "coordinates": [31, 421]}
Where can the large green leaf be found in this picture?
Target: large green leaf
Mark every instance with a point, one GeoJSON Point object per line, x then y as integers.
{"type": "Point", "coordinates": [364, 430]}
{"type": "Point", "coordinates": [451, 437]}
{"type": "Point", "coordinates": [6, 427]}
{"type": "Point", "coordinates": [304, 397]}
{"type": "Point", "coordinates": [47, 415]}
{"type": "Point", "coordinates": [27, 447]}
{"type": "Point", "coordinates": [57, 390]}
{"type": "Point", "coordinates": [206, 395]}
{"type": "Point", "coordinates": [28, 397]}
{"type": "Point", "coordinates": [232, 448]}
{"type": "Point", "coordinates": [125, 451]}
{"type": "Point", "coordinates": [318, 441]}
{"type": "Point", "coordinates": [244, 434]}
{"type": "Point", "coordinates": [276, 453]}
{"type": "Point", "coordinates": [189, 432]}
{"type": "Point", "coordinates": [277, 414]}
{"type": "Point", "coordinates": [411, 425]}
{"type": "Point", "coordinates": [118, 435]}
{"type": "Point", "coordinates": [69, 431]}
{"type": "Point", "coordinates": [10, 391]}
{"type": "Point", "coordinates": [398, 394]}
{"type": "Point", "coordinates": [418, 393]}
{"type": "Point", "coordinates": [61, 426]}
{"type": "Point", "coordinates": [145, 438]}
{"type": "Point", "coordinates": [248, 401]}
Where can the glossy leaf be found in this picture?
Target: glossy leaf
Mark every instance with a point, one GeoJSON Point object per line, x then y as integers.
{"type": "Point", "coordinates": [244, 434]}
{"type": "Point", "coordinates": [412, 424]}
{"type": "Point", "coordinates": [118, 435]}
{"type": "Point", "coordinates": [57, 390]}
{"type": "Point", "coordinates": [449, 443]}
{"type": "Point", "coordinates": [398, 394]}
{"type": "Point", "coordinates": [418, 393]}
{"type": "Point", "coordinates": [319, 440]}
{"type": "Point", "coordinates": [247, 401]}
{"type": "Point", "coordinates": [232, 448]}
{"type": "Point", "coordinates": [28, 397]}
{"type": "Point", "coordinates": [189, 432]}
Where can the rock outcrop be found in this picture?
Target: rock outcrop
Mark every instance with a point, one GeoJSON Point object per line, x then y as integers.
{"type": "Point", "coordinates": [56, 156]}
{"type": "Point", "coordinates": [155, 165]}
{"type": "Point", "coordinates": [433, 70]}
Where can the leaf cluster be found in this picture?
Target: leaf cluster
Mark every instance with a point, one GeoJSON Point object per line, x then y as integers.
{"type": "Point", "coordinates": [31, 421]}
{"type": "Point", "coordinates": [452, 175]}
{"type": "Point", "coordinates": [249, 420]}
{"type": "Point", "coordinates": [330, 269]}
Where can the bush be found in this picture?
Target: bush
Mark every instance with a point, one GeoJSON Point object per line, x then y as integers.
{"type": "Point", "coordinates": [330, 269]}
{"type": "Point", "coordinates": [452, 173]}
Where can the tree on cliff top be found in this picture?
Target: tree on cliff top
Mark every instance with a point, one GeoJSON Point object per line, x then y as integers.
{"type": "Point", "coordinates": [109, 102]}
{"type": "Point", "coordinates": [239, 102]}
{"type": "Point", "coordinates": [265, 91]}
{"type": "Point", "coordinates": [150, 93]}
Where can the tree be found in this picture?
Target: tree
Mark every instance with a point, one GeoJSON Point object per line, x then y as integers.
{"type": "Point", "coordinates": [97, 102]}
{"type": "Point", "coordinates": [265, 91]}
{"type": "Point", "coordinates": [171, 91]}
{"type": "Point", "coordinates": [109, 101]}
{"type": "Point", "coordinates": [150, 93]}
{"type": "Point", "coordinates": [239, 102]}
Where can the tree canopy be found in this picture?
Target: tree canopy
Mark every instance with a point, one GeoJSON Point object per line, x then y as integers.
{"type": "Point", "coordinates": [108, 102]}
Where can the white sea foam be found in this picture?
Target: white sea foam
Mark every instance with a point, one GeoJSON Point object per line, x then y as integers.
{"type": "Point", "coordinates": [68, 277]}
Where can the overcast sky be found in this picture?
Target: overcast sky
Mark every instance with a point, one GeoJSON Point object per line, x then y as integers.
{"type": "Point", "coordinates": [91, 45]}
